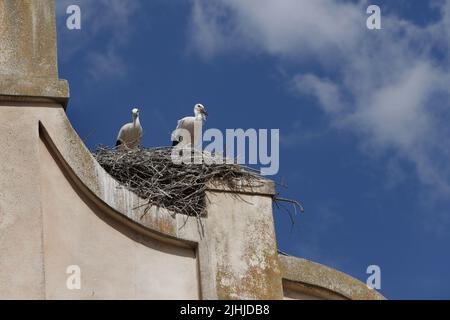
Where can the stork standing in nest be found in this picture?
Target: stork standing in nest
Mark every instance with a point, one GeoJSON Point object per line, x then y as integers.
{"type": "Point", "coordinates": [130, 135]}
{"type": "Point", "coordinates": [190, 128]}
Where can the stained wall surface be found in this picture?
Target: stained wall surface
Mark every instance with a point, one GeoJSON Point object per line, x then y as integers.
{"type": "Point", "coordinates": [115, 263]}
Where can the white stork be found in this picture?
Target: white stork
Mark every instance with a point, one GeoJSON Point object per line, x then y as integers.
{"type": "Point", "coordinates": [130, 134]}
{"type": "Point", "coordinates": [191, 126]}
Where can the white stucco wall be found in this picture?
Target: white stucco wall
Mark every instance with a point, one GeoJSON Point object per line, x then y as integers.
{"type": "Point", "coordinates": [114, 262]}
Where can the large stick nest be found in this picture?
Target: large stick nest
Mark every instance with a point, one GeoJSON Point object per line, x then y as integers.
{"type": "Point", "coordinates": [156, 178]}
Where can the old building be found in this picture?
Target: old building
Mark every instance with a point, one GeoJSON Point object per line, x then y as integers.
{"type": "Point", "coordinates": [61, 212]}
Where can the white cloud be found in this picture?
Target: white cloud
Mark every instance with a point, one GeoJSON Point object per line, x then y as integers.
{"type": "Point", "coordinates": [205, 32]}
{"type": "Point", "coordinates": [386, 86]}
{"type": "Point", "coordinates": [106, 63]}
{"type": "Point", "coordinates": [326, 91]}
{"type": "Point", "coordinates": [285, 27]}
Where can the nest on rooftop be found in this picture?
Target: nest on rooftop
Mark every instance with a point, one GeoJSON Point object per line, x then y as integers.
{"type": "Point", "coordinates": [178, 187]}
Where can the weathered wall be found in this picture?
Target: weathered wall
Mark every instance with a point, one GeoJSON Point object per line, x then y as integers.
{"type": "Point", "coordinates": [21, 247]}
{"type": "Point", "coordinates": [28, 27]}
{"type": "Point", "coordinates": [242, 254]}
{"type": "Point", "coordinates": [307, 280]}
{"type": "Point", "coordinates": [48, 222]}
{"type": "Point", "coordinates": [116, 263]}
{"type": "Point", "coordinates": [28, 59]}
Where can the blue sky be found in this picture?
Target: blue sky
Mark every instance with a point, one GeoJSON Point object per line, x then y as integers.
{"type": "Point", "coordinates": [363, 114]}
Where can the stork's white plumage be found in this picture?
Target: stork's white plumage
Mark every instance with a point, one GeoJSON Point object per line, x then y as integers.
{"type": "Point", "coordinates": [130, 135]}
{"type": "Point", "coordinates": [191, 125]}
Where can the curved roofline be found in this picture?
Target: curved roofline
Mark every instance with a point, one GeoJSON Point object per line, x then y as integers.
{"type": "Point", "coordinates": [312, 274]}
{"type": "Point", "coordinates": [99, 186]}
{"type": "Point", "coordinates": [113, 199]}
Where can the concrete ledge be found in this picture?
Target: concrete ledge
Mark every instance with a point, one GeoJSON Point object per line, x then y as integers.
{"type": "Point", "coordinates": [319, 280]}
{"type": "Point", "coordinates": [262, 187]}
{"type": "Point", "coordinates": [28, 53]}
{"type": "Point", "coordinates": [34, 91]}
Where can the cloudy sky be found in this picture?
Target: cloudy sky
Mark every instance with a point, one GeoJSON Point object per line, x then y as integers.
{"type": "Point", "coordinates": [363, 114]}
